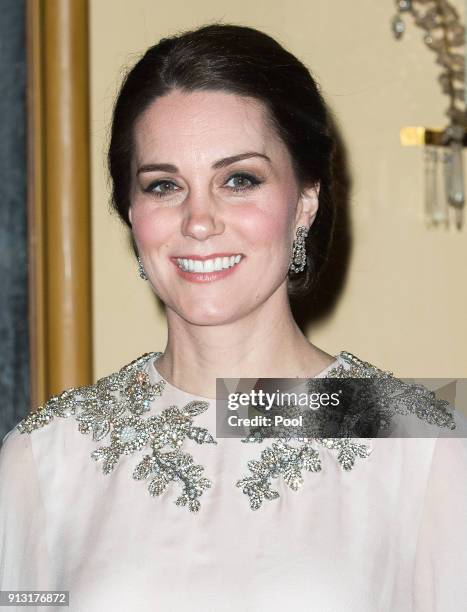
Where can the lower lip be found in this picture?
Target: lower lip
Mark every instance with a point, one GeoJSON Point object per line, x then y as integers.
{"type": "Point", "coordinates": [206, 277]}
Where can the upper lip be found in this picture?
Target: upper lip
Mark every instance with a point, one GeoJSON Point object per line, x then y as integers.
{"type": "Point", "coordinates": [204, 257]}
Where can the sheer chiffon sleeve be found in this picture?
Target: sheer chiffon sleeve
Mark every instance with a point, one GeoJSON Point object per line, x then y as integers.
{"type": "Point", "coordinates": [24, 563]}
{"type": "Point", "coordinates": [440, 580]}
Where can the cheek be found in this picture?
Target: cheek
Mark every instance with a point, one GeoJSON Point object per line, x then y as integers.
{"type": "Point", "coordinates": [264, 225]}
{"type": "Point", "coordinates": [151, 229]}
{"type": "Point", "coordinates": [268, 224]}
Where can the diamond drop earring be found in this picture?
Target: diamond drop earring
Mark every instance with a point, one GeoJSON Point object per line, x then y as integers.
{"type": "Point", "coordinates": [298, 262]}
{"type": "Point", "coordinates": [142, 273]}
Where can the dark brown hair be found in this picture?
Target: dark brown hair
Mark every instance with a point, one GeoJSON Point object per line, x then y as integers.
{"type": "Point", "coordinates": [247, 62]}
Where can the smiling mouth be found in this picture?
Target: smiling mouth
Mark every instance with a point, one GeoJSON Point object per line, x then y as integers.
{"type": "Point", "coordinates": [215, 264]}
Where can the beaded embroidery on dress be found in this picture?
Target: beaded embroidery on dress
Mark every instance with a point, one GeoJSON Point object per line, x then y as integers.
{"type": "Point", "coordinates": [114, 409]}
{"type": "Point", "coordinates": [286, 460]}
{"type": "Point", "coordinates": [115, 405]}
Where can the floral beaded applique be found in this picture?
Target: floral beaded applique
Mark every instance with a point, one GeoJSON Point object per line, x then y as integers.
{"type": "Point", "coordinates": [283, 459]}
{"type": "Point", "coordinates": [114, 406]}
{"type": "Point", "coordinates": [286, 460]}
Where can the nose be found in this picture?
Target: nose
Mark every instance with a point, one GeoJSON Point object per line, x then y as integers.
{"type": "Point", "coordinates": [202, 217]}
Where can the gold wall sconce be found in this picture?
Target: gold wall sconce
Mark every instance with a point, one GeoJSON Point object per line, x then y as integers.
{"type": "Point", "coordinates": [444, 196]}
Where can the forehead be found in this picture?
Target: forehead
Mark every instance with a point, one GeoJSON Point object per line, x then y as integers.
{"type": "Point", "coordinates": [209, 124]}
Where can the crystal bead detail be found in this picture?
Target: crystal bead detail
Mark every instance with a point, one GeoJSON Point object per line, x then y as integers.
{"type": "Point", "coordinates": [288, 460]}
{"type": "Point", "coordinates": [113, 407]}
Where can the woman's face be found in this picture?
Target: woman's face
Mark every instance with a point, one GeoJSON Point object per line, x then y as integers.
{"type": "Point", "coordinates": [212, 178]}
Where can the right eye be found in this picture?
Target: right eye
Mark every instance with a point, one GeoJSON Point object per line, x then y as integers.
{"type": "Point", "coordinates": [161, 188]}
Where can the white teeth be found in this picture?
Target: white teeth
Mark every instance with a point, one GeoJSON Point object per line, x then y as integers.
{"type": "Point", "coordinates": [209, 265]}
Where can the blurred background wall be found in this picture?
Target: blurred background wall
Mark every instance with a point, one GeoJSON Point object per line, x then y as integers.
{"type": "Point", "coordinates": [14, 353]}
{"type": "Point", "coordinates": [403, 303]}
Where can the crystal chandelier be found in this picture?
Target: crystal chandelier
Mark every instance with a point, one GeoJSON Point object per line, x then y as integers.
{"type": "Point", "coordinates": [444, 173]}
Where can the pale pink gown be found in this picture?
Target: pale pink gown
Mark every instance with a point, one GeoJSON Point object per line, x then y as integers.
{"type": "Point", "coordinates": [388, 535]}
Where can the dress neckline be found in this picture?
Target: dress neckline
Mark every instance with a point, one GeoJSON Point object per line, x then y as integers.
{"type": "Point", "coordinates": [156, 377]}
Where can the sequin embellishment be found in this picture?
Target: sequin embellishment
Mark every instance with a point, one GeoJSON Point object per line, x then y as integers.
{"type": "Point", "coordinates": [283, 459]}
{"type": "Point", "coordinates": [286, 460]}
{"type": "Point", "coordinates": [114, 405]}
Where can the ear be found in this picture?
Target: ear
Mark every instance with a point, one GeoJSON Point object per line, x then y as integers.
{"type": "Point", "coordinates": [130, 215]}
{"type": "Point", "coordinates": [308, 205]}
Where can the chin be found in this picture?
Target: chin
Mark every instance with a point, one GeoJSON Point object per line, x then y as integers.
{"type": "Point", "coordinates": [209, 313]}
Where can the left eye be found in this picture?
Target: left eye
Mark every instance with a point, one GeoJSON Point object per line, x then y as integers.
{"type": "Point", "coordinates": [242, 182]}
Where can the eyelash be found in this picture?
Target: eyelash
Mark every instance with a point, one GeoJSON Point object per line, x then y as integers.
{"type": "Point", "coordinates": [254, 182]}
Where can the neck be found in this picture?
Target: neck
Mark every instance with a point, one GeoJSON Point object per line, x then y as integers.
{"type": "Point", "coordinates": [267, 343]}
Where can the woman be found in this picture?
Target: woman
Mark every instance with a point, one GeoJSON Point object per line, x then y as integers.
{"type": "Point", "coordinates": [220, 159]}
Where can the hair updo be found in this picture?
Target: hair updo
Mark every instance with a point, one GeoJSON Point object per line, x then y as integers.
{"type": "Point", "coordinates": [247, 62]}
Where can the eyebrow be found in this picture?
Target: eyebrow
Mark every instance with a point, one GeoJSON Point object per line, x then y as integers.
{"type": "Point", "coordinates": [221, 163]}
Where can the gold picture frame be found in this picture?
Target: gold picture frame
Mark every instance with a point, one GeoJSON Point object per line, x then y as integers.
{"type": "Point", "coordinates": [59, 215]}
